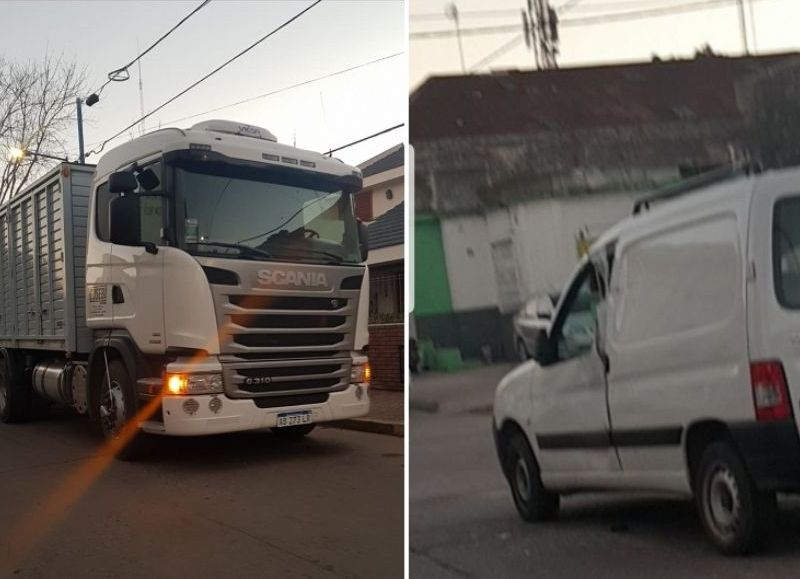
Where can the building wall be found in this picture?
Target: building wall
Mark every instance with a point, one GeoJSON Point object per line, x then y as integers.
{"type": "Point", "coordinates": [389, 180]}
{"type": "Point", "coordinates": [386, 342]}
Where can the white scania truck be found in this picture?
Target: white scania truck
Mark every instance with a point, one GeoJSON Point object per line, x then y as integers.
{"type": "Point", "coordinates": [211, 271]}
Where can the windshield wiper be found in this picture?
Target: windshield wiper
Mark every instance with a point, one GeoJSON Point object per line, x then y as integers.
{"type": "Point", "coordinates": [245, 249]}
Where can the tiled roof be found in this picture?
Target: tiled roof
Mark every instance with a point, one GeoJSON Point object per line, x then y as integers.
{"type": "Point", "coordinates": [389, 159]}
{"type": "Point", "coordinates": [387, 230]}
{"type": "Point", "coordinates": [516, 102]}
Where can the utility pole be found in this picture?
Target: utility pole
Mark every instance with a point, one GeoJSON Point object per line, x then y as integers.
{"type": "Point", "coordinates": [81, 156]}
{"type": "Point", "coordinates": [743, 27]}
{"type": "Point", "coordinates": [451, 11]}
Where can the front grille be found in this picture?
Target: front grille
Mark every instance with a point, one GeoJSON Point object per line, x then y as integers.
{"type": "Point", "coordinates": [252, 302]}
{"type": "Point", "coordinates": [293, 355]}
{"type": "Point", "coordinates": [280, 372]}
{"type": "Point", "coordinates": [287, 340]}
{"type": "Point", "coordinates": [267, 321]}
{"type": "Point", "coordinates": [278, 401]}
{"type": "Point", "coordinates": [323, 383]}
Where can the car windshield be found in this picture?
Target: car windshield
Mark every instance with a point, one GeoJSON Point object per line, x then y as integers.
{"type": "Point", "coordinates": [224, 211]}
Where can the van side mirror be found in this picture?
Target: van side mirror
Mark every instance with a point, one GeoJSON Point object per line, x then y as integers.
{"type": "Point", "coordinates": [363, 240]}
{"type": "Point", "coordinates": [122, 182]}
{"type": "Point", "coordinates": [544, 351]}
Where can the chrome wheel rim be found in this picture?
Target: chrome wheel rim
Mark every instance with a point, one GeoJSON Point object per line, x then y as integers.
{"type": "Point", "coordinates": [723, 503]}
{"type": "Point", "coordinates": [112, 410]}
{"type": "Point", "coordinates": [522, 479]}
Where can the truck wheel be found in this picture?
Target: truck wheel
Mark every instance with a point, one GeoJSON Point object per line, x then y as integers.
{"type": "Point", "coordinates": [15, 398]}
{"type": "Point", "coordinates": [533, 501]}
{"type": "Point", "coordinates": [293, 432]}
{"type": "Point", "coordinates": [115, 406]}
{"type": "Point", "coordinates": [737, 517]}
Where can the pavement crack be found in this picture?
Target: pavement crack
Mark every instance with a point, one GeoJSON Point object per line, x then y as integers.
{"type": "Point", "coordinates": [438, 562]}
{"type": "Point", "coordinates": [325, 567]}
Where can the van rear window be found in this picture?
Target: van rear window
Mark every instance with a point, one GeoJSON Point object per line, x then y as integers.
{"type": "Point", "coordinates": [786, 251]}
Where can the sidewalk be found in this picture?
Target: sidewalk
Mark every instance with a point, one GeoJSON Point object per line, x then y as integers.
{"type": "Point", "coordinates": [386, 414]}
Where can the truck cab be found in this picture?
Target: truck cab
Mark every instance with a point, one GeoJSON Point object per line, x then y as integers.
{"type": "Point", "coordinates": [225, 290]}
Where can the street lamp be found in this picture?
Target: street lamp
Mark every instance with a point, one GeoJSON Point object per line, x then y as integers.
{"type": "Point", "coordinates": [16, 154]}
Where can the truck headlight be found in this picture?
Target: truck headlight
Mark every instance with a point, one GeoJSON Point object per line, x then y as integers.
{"type": "Point", "coordinates": [360, 373]}
{"type": "Point", "coordinates": [180, 384]}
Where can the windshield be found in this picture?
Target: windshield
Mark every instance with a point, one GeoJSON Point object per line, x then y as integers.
{"type": "Point", "coordinates": [226, 211]}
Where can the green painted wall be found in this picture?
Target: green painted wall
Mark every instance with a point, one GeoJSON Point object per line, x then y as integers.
{"type": "Point", "coordinates": [431, 287]}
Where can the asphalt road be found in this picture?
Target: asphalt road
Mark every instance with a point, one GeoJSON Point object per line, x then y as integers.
{"type": "Point", "coordinates": [244, 505]}
{"type": "Point", "coordinates": [463, 522]}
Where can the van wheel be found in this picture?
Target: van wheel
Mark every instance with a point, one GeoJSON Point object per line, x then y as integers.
{"type": "Point", "coordinates": [293, 432]}
{"type": "Point", "coordinates": [15, 398]}
{"type": "Point", "coordinates": [114, 407]}
{"type": "Point", "coordinates": [533, 501]}
{"type": "Point", "coordinates": [737, 517]}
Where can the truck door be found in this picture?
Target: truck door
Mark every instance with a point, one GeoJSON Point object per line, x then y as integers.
{"type": "Point", "coordinates": [137, 275]}
{"type": "Point", "coordinates": [570, 415]}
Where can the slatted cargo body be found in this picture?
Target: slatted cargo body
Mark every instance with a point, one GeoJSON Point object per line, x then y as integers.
{"type": "Point", "coordinates": [43, 263]}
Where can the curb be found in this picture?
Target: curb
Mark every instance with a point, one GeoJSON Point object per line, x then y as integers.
{"type": "Point", "coordinates": [370, 425]}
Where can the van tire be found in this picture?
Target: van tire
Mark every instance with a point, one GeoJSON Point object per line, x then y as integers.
{"type": "Point", "coordinates": [15, 397]}
{"type": "Point", "coordinates": [736, 515]}
{"type": "Point", "coordinates": [533, 501]}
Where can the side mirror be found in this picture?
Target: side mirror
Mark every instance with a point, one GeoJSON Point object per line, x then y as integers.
{"type": "Point", "coordinates": [122, 182]}
{"type": "Point", "coordinates": [148, 179]}
{"type": "Point", "coordinates": [124, 219]}
{"type": "Point", "coordinates": [363, 240]}
{"type": "Point", "coordinates": [544, 350]}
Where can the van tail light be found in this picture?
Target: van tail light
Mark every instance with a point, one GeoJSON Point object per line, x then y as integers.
{"type": "Point", "coordinates": [770, 394]}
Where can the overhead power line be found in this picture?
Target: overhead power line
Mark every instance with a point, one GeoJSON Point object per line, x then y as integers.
{"type": "Point", "coordinates": [585, 20]}
{"type": "Point", "coordinates": [367, 138]}
{"type": "Point", "coordinates": [207, 76]}
{"type": "Point", "coordinates": [285, 88]}
{"type": "Point", "coordinates": [115, 74]}
{"type": "Point", "coordinates": [498, 52]}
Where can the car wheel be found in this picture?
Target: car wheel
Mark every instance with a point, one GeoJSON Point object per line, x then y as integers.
{"type": "Point", "coordinates": [533, 501]}
{"type": "Point", "coordinates": [293, 432]}
{"type": "Point", "coordinates": [115, 407]}
{"type": "Point", "coordinates": [737, 517]}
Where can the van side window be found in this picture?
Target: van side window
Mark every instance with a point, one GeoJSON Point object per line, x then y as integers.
{"type": "Point", "coordinates": [575, 334]}
{"type": "Point", "coordinates": [786, 251]}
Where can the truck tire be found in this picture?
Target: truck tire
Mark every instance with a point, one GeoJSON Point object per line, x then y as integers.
{"type": "Point", "coordinates": [533, 501]}
{"type": "Point", "coordinates": [15, 396]}
{"type": "Point", "coordinates": [736, 516]}
{"type": "Point", "coordinates": [293, 432]}
{"type": "Point", "coordinates": [115, 406]}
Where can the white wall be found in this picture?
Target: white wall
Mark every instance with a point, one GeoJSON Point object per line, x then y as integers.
{"type": "Point", "coordinates": [378, 184]}
{"type": "Point", "coordinates": [543, 233]}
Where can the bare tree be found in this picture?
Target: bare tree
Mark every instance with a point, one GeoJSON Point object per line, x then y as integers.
{"type": "Point", "coordinates": [37, 107]}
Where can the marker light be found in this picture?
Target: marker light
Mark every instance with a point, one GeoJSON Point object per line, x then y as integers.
{"type": "Point", "coordinates": [361, 373]}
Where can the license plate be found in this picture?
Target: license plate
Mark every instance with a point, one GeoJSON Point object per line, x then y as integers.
{"type": "Point", "coordinates": [294, 418]}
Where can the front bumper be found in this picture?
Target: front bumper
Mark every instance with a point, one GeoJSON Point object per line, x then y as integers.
{"type": "Point", "coordinates": [243, 414]}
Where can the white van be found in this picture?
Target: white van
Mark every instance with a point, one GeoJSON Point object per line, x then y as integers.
{"type": "Point", "coordinates": [672, 364]}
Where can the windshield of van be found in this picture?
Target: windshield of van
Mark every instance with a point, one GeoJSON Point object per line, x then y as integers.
{"type": "Point", "coordinates": [786, 251]}
{"type": "Point", "coordinates": [227, 212]}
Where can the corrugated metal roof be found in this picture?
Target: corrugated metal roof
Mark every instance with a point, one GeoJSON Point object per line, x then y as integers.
{"type": "Point", "coordinates": [389, 159]}
{"type": "Point", "coordinates": [387, 230]}
{"type": "Point", "coordinates": [534, 101]}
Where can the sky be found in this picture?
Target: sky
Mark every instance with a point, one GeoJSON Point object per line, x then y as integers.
{"type": "Point", "coordinates": [337, 34]}
{"type": "Point", "coordinates": [775, 23]}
